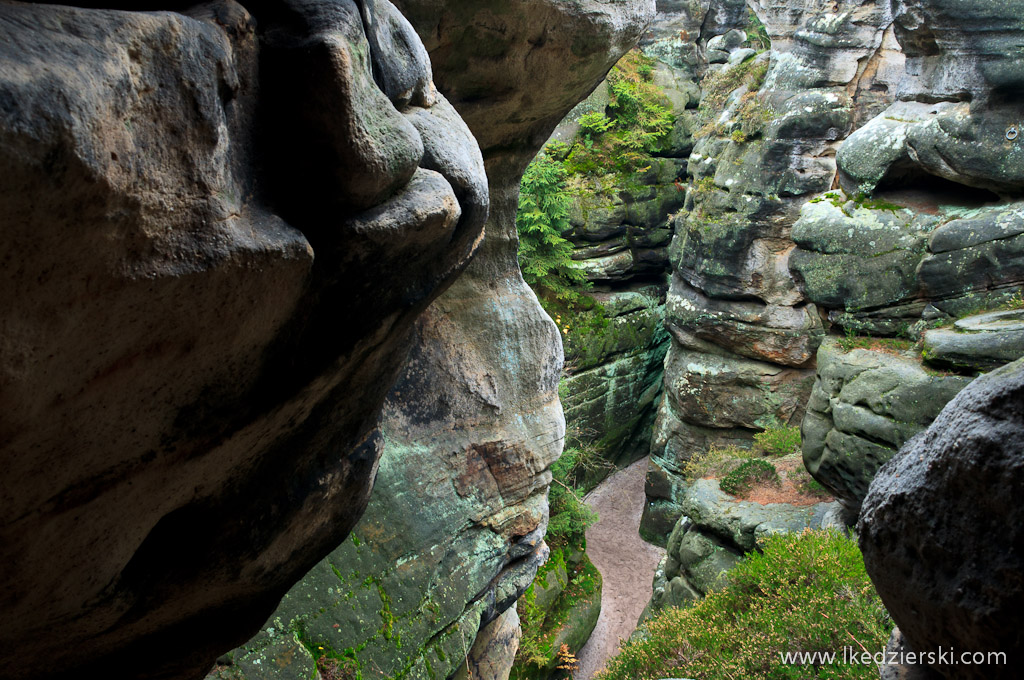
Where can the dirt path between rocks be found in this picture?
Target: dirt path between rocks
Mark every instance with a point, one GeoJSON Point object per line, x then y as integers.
{"type": "Point", "coordinates": [625, 561]}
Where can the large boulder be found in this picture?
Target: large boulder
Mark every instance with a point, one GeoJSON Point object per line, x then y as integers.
{"type": "Point", "coordinates": [942, 530]}
{"type": "Point", "coordinates": [218, 232]}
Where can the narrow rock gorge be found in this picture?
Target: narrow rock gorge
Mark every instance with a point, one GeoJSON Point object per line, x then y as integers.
{"type": "Point", "coordinates": [278, 400]}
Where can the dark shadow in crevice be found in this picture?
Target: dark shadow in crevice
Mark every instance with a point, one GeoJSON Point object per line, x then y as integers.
{"type": "Point", "coordinates": [912, 187]}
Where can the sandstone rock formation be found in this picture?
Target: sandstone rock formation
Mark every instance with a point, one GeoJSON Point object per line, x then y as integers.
{"type": "Point", "coordinates": [924, 234]}
{"type": "Point", "coordinates": [218, 229]}
{"type": "Point", "coordinates": [712, 536]}
{"type": "Point", "coordinates": [941, 528]}
{"type": "Point", "coordinates": [743, 333]}
{"type": "Point", "coordinates": [864, 406]}
{"type": "Point", "coordinates": [452, 535]}
{"type": "Point", "coordinates": [980, 342]}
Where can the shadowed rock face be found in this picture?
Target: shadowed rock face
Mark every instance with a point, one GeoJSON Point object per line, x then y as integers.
{"type": "Point", "coordinates": [452, 535]}
{"type": "Point", "coordinates": [941, 529]}
{"type": "Point", "coordinates": [216, 232]}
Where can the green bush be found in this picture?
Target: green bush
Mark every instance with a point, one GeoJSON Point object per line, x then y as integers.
{"type": "Point", "coordinates": [639, 121]}
{"type": "Point", "coordinates": [806, 592]}
{"type": "Point", "coordinates": [541, 628]}
{"type": "Point", "coordinates": [778, 440]}
{"type": "Point", "coordinates": [716, 461]}
{"type": "Point", "coordinates": [545, 256]}
{"type": "Point", "coordinates": [743, 478]}
{"type": "Point", "coordinates": [569, 516]}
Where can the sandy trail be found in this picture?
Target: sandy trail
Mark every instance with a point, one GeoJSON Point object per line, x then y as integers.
{"type": "Point", "coordinates": [625, 561]}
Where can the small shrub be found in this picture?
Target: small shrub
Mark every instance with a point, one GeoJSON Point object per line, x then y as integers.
{"type": "Point", "coordinates": [743, 478]}
{"type": "Point", "coordinates": [716, 461]}
{"type": "Point", "coordinates": [716, 89]}
{"type": "Point", "coordinates": [779, 440]}
{"type": "Point", "coordinates": [336, 669]}
{"type": "Point", "coordinates": [757, 34]}
{"type": "Point", "coordinates": [806, 592]}
{"type": "Point", "coordinates": [1015, 302]}
{"type": "Point", "coordinates": [850, 341]}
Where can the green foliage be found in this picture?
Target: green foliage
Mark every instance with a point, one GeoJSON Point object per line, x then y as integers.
{"type": "Point", "coordinates": [1015, 302]}
{"type": "Point", "coordinates": [806, 592]}
{"type": "Point", "coordinates": [757, 34]}
{"type": "Point", "coordinates": [569, 516]}
{"type": "Point", "coordinates": [806, 484]}
{"type": "Point", "coordinates": [638, 122]}
{"type": "Point", "coordinates": [851, 341]}
{"type": "Point", "coordinates": [716, 461]}
{"type": "Point", "coordinates": [594, 124]}
{"type": "Point", "coordinates": [778, 440]}
{"type": "Point", "coordinates": [743, 478]}
{"type": "Point", "coordinates": [540, 627]}
{"type": "Point", "coordinates": [545, 256]}
{"type": "Point", "coordinates": [716, 89]}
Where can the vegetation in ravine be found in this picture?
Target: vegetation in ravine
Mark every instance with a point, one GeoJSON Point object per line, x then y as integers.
{"type": "Point", "coordinates": [545, 256]}
{"type": "Point", "coordinates": [804, 593]}
{"type": "Point", "coordinates": [573, 474]}
{"type": "Point", "coordinates": [619, 142]}
{"type": "Point", "coordinates": [740, 469]}
{"type": "Point", "coordinates": [636, 124]}
{"type": "Point", "coordinates": [747, 474]}
{"type": "Point", "coordinates": [779, 440]}
{"type": "Point", "coordinates": [752, 113]}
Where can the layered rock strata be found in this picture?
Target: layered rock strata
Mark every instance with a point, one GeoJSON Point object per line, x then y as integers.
{"type": "Point", "coordinates": [744, 334]}
{"type": "Point", "coordinates": [923, 240]}
{"type": "Point", "coordinates": [219, 229]}
{"type": "Point", "coordinates": [452, 534]}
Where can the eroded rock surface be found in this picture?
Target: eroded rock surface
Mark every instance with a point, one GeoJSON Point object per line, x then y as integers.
{"type": "Point", "coordinates": [218, 229]}
{"type": "Point", "coordinates": [864, 406]}
{"type": "Point", "coordinates": [452, 535]}
{"type": "Point", "coordinates": [922, 241]}
{"type": "Point", "coordinates": [941, 528]}
{"type": "Point", "coordinates": [744, 334]}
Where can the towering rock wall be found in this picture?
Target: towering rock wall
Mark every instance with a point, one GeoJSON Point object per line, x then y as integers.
{"type": "Point", "coordinates": [940, 239]}
{"type": "Point", "coordinates": [452, 534]}
{"type": "Point", "coordinates": [939, 524]}
{"type": "Point", "coordinates": [217, 232]}
{"type": "Point", "coordinates": [743, 332]}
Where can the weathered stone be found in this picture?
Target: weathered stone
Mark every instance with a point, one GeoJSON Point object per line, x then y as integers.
{"type": "Point", "coordinates": [941, 528]}
{"type": "Point", "coordinates": [734, 297]}
{"type": "Point", "coordinates": [857, 257]}
{"type": "Point", "coordinates": [976, 253]}
{"type": "Point", "coordinates": [780, 334]}
{"type": "Point", "coordinates": [863, 407]}
{"type": "Point", "coordinates": [711, 537]}
{"type": "Point", "coordinates": [215, 244]}
{"type": "Point", "coordinates": [452, 535]}
{"type": "Point", "coordinates": [722, 392]}
{"type": "Point", "coordinates": [494, 650]}
{"type": "Point", "coordinates": [611, 390]}
{"type": "Point", "coordinates": [980, 342]}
